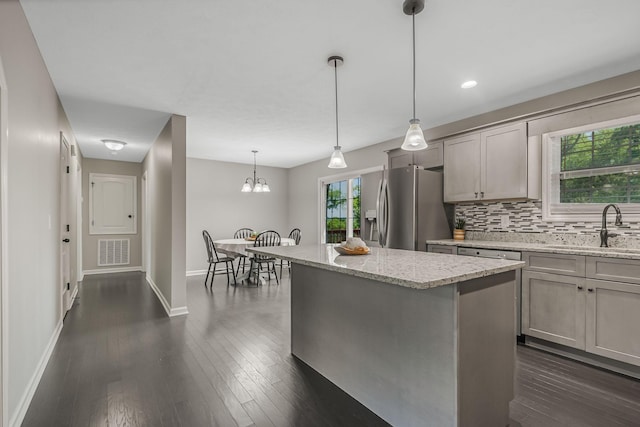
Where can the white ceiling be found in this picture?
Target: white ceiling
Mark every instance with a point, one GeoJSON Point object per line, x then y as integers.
{"type": "Point", "coordinates": [253, 75]}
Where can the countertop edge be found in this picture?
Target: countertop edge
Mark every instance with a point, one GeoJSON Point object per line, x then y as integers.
{"type": "Point", "coordinates": [454, 278]}
{"type": "Point", "coordinates": [535, 247]}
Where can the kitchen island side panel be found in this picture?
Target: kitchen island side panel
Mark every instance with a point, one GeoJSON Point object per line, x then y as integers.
{"type": "Point", "coordinates": [390, 347]}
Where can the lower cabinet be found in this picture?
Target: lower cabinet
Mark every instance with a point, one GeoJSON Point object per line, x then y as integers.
{"type": "Point", "coordinates": [598, 316]}
{"type": "Point", "coordinates": [553, 308]}
{"type": "Point", "coordinates": [613, 319]}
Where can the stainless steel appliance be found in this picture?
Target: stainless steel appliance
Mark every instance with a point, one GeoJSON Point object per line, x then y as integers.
{"type": "Point", "coordinates": [410, 208]}
{"type": "Point", "coordinates": [510, 255]}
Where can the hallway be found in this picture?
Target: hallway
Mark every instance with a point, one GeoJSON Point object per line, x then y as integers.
{"type": "Point", "coordinates": [121, 362]}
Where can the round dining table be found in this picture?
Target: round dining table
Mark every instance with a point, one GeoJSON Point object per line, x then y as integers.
{"type": "Point", "coordinates": [237, 247]}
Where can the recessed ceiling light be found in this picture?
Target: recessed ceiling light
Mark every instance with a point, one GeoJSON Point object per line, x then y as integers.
{"type": "Point", "coordinates": [469, 84]}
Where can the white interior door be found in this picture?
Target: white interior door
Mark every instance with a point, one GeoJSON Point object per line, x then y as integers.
{"type": "Point", "coordinates": [65, 224]}
{"type": "Point", "coordinates": [112, 204]}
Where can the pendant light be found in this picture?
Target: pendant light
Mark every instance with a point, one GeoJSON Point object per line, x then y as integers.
{"type": "Point", "coordinates": [337, 159]}
{"type": "Point", "coordinates": [255, 185]}
{"type": "Point", "coordinates": [414, 139]}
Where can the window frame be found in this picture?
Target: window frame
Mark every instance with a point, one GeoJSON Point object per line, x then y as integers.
{"type": "Point", "coordinates": [322, 198]}
{"type": "Point", "coordinates": [577, 212]}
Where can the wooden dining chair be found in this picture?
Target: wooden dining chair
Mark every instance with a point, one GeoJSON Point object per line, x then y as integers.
{"type": "Point", "coordinates": [242, 233]}
{"type": "Point", "coordinates": [266, 238]}
{"type": "Point", "coordinates": [216, 260]}
{"type": "Point", "coordinates": [296, 235]}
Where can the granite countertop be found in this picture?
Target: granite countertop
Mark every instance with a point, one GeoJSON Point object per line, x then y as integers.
{"type": "Point", "coordinates": [557, 248]}
{"type": "Point", "coordinates": [412, 269]}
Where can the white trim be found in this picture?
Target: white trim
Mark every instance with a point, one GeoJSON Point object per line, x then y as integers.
{"type": "Point", "coordinates": [196, 273]}
{"type": "Point", "coordinates": [111, 270]}
{"type": "Point", "coordinates": [574, 212]}
{"type": "Point", "coordinates": [74, 294]}
{"type": "Point", "coordinates": [171, 312]}
{"type": "Point", "coordinates": [4, 249]}
{"type": "Point", "coordinates": [32, 385]}
{"type": "Point", "coordinates": [324, 180]}
{"type": "Point", "coordinates": [144, 225]}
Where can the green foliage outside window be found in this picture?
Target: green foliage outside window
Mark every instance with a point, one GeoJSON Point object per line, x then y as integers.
{"type": "Point", "coordinates": [337, 209]}
{"type": "Point", "coordinates": [585, 156]}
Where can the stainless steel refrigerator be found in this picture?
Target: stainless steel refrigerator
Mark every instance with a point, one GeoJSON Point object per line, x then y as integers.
{"type": "Point", "coordinates": [410, 208]}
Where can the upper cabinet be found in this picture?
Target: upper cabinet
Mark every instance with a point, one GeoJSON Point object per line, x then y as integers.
{"type": "Point", "coordinates": [432, 157]}
{"type": "Point", "coordinates": [494, 164]}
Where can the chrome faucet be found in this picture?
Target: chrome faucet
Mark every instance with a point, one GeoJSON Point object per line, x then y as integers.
{"type": "Point", "coordinates": [604, 233]}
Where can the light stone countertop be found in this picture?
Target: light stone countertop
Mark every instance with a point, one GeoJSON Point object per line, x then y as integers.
{"type": "Point", "coordinates": [412, 269]}
{"type": "Point", "coordinates": [556, 248]}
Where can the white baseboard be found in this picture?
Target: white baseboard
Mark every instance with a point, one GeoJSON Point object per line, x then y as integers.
{"type": "Point", "coordinates": [196, 273]}
{"type": "Point", "coordinates": [75, 292]}
{"type": "Point", "coordinates": [171, 312]}
{"type": "Point", "coordinates": [25, 400]}
{"type": "Point", "coordinates": [112, 270]}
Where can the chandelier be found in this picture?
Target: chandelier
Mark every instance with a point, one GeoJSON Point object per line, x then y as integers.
{"type": "Point", "coordinates": [255, 185]}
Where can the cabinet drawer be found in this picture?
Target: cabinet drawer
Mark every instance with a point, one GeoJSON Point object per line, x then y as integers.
{"type": "Point", "coordinates": [570, 265]}
{"type": "Point", "coordinates": [615, 269]}
{"type": "Point", "coordinates": [443, 249]}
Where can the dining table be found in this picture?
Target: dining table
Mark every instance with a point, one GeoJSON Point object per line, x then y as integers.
{"type": "Point", "coordinates": [237, 247]}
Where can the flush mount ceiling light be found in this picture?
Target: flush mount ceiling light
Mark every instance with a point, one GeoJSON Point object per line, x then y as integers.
{"type": "Point", "coordinates": [414, 139]}
{"type": "Point", "coordinates": [113, 144]}
{"type": "Point", "coordinates": [255, 185]}
{"type": "Point", "coordinates": [469, 84]}
{"type": "Point", "coordinates": [337, 159]}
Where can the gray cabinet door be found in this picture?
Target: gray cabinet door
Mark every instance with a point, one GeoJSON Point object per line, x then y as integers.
{"type": "Point", "coordinates": [503, 160]}
{"type": "Point", "coordinates": [432, 157]}
{"type": "Point", "coordinates": [462, 168]}
{"type": "Point", "coordinates": [553, 308]}
{"type": "Point", "coordinates": [612, 319]}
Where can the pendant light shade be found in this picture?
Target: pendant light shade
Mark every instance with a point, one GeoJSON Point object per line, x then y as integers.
{"type": "Point", "coordinates": [255, 184]}
{"type": "Point", "coordinates": [414, 139]}
{"type": "Point", "coordinates": [337, 159]}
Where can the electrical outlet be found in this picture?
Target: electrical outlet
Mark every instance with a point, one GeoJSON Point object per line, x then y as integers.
{"type": "Point", "coordinates": [504, 220]}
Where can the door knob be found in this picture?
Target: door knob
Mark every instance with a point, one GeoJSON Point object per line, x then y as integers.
{"type": "Point", "coordinates": [66, 240]}
{"type": "Point", "coordinates": [130, 216]}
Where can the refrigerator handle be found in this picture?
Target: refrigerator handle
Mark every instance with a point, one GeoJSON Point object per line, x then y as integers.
{"type": "Point", "coordinates": [382, 206]}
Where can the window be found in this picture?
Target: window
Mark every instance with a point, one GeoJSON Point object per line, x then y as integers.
{"type": "Point", "coordinates": [589, 167]}
{"type": "Point", "coordinates": [342, 210]}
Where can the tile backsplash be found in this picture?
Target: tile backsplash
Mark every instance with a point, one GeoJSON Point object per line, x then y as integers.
{"type": "Point", "coordinates": [526, 217]}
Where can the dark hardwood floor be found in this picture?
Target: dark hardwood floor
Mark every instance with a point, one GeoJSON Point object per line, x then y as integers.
{"type": "Point", "coordinates": [121, 362]}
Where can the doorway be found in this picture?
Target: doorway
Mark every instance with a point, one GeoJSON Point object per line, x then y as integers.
{"type": "Point", "coordinates": [65, 224]}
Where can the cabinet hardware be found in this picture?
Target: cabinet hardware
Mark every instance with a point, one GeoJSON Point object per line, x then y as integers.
{"type": "Point", "coordinates": [476, 193]}
{"type": "Point", "coordinates": [579, 288]}
{"type": "Point", "coordinates": [66, 240]}
{"type": "Point", "coordinates": [482, 194]}
{"type": "Point", "coordinates": [590, 289]}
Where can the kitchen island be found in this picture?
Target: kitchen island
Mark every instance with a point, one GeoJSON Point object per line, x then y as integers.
{"type": "Point", "coordinates": [421, 339]}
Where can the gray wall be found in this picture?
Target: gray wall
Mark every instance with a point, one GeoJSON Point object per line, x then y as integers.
{"type": "Point", "coordinates": [304, 211]}
{"type": "Point", "coordinates": [165, 166]}
{"type": "Point", "coordinates": [35, 119]}
{"type": "Point", "coordinates": [90, 241]}
{"type": "Point", "coordinates": [216, 204]}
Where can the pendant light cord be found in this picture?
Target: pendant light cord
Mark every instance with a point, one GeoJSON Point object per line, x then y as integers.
{"type": "Point", "coordinates": [335, 71]}
{"type": "Point", "coordinates": [254, 168]}
{"type": "Point", "coordinates": [413, 19]}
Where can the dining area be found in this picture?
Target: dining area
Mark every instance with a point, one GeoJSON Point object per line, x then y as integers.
{"type": "Point", "coordinates": [229, 256]}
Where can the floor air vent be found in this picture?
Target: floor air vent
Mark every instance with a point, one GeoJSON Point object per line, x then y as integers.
{"type": "Point", "coordinates": [113, 252]}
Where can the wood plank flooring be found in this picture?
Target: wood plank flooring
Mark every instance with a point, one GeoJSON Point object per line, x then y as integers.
{"type": "Point", "coordinates": [121, 362]}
